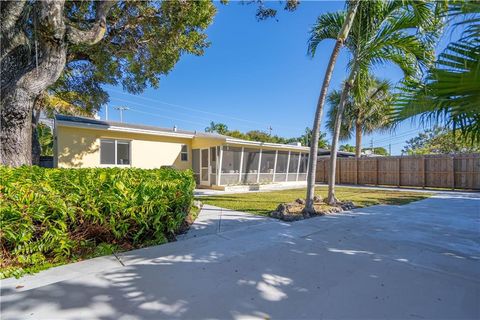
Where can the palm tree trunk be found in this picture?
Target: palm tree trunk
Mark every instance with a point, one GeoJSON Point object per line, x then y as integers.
{"type": "Point", "coordinates": [358, 140]}
{"type": "Point", "coordinates": [312, 160]}
{"type": "Point", "coordinates": [336, 134]}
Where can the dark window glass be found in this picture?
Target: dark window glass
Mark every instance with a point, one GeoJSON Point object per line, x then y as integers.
{"type": "Point", "coordinates": [123, 152]}
{"type": "Point", "coordinates": [107, 151]}
{"type": "Point", "coordinates": [184, 153]}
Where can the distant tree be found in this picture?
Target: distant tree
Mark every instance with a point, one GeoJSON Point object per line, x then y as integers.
{"type": "Point", "coordinates": [368, 109]}
{"type": "Point", "coordinates": [347, 148]}
{"type": "Point", "coordinates": [45, 138]}
{"type": "Point", "coordinates": [439, 141]}
{"type": "Point", "coordinates": [376, 150]}
{"type": "Point", "coordinates": [219, 128]}
{"type": "Point", "coordinates": [306, 138]}
{"type": "Point", "coordinates": [261, 136]}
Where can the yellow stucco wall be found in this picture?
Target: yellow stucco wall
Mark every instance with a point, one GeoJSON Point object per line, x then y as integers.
{"type": "Point", "coordinates": [80, 148]}
{"type": "Point", "coordinates": [203, 142]}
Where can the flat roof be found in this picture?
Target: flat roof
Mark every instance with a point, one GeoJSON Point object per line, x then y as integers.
{"type": "Point", "coordinates": [91, 123]}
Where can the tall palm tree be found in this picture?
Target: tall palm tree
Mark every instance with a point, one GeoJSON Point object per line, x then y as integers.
{"type": "Point", "coordinates": [381, 33]}
{"type": "Point", "coordinates": [340, 36]}
{"type": "Point", "coordinates": [367, 109]}
{"type": "Point", "coordinates": [450, 93]}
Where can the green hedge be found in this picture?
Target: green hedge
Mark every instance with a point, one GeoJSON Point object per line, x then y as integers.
{"type": "Point", "coordinates": [51, 216]}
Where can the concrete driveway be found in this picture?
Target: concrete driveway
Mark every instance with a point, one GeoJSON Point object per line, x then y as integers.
{"type": "Point", "coordinates": [418, 261]}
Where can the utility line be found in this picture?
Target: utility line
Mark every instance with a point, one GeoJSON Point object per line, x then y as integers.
{"type": "Point", "coordinates": [167, 117]}
{"type": "Point", "coordinates": [190, 108]}
{"type": "Point", "coordinates": [176, 112]}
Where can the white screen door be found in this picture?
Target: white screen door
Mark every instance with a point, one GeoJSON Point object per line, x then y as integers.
{"type": "Point", "coordinates": [205, 167]}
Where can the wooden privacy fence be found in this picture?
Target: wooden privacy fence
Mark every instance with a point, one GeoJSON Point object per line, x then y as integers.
{"type": "Point", "coordinates": [460, 171]}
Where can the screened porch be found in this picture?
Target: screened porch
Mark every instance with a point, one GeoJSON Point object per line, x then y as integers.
{"type": "Point", "coordinates": [234, 165]}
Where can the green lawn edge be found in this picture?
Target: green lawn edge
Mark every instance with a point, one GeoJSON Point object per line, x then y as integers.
{"type": "Point", "coordinates": [262, 203]}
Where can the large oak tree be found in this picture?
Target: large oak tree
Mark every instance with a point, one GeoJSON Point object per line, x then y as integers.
{"type": "Point", "coordinates": [128, 43]}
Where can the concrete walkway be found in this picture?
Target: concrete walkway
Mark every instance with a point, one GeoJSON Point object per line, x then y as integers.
{"type": "Point", "coordinates": [215, 220]}
{"type": "Point", "coordinates": [418, 261]}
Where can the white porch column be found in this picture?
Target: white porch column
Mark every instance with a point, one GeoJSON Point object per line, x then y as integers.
{"type": "Point", "coordinates": [298, 166]}
{"type": "Point", "coordinates": [219, 166]}
{"type": "Point", "coordinates": [241, 165]}
{"type": "Point", "coordinates": [288, 165]}
{"type": "Point", "coordinates": [259, 166]}
{"type": "Point", "coordinates": [275, 165]}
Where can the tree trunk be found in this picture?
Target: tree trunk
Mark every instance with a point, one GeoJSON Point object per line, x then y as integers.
{"type": "Point", "coordinates": [16, 130]}
{"type": "Point", "coordinates": [358, 140]}
{"type": "Point", "coordinates": [312, 159]}
{"type": "Point", "coordinates": [332, 200]}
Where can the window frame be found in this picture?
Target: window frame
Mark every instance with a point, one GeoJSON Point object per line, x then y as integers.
{"type": "Point", "coordinates": [116, 164]}
{"type": "Point", "coordinates": [182, 153]}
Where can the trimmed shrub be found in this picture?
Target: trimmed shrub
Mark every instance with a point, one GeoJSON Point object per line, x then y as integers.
{"type": "Point", "coordinates": [51, 216]}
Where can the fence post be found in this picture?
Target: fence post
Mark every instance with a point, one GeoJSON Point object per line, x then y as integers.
{"type": "Point", "coordinates": [399, 172]}
{"type": "Point", "coordinates": [452, 172]}
{"type": "Point", "coordinates": [376, 171]}
{"type": "Point", "coordinates": [356, 170]}
{"type": "Point", "coordinates": [424, 171]}
{"type": "Point", "coordinates": [339, 167]}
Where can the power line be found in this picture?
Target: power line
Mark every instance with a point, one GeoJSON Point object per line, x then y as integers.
{"type": "Point", "coordinates": [176, 112]}
{"type": "Point", "coordinates": [189, 108]}
{"type": "Point", "coordinates": [167, 117]}
{"type": "Point", "coordinates": [403, 134]}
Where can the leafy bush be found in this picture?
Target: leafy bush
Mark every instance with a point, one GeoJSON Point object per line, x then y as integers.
{"type": "Point", "coordinates": [51, 216]}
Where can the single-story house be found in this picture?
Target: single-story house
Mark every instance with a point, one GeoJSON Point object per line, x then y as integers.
{"type": "Point", "coordinates": [217, 160]}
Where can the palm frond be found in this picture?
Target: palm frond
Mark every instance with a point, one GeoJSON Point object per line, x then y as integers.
{"type": "Point", "coordinates": [328, 26]}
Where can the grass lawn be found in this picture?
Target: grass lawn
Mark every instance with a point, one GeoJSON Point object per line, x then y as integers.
{"type": "Point", "coordinates": [262, 203]}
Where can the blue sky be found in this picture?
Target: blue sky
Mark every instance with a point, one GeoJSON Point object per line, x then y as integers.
{"type": "Point", "coordinates": [253, 76]}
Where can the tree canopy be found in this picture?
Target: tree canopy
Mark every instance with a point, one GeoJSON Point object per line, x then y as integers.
{"type": "Point", "coordinates": [261, 136]}
{"type": "Point", "coordinates": [439, 140]}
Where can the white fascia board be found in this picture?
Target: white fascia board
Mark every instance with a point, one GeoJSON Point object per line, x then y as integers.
{"type": "Point", "coordinates": [123, 129]}
{"type": "Point", "coordinates": [267, 144]}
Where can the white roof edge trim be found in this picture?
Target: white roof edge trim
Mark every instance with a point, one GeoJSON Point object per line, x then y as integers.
{"type": "Point", "coordinates": [122, 129]}
{"type": "Point", "coordinates": [267, 144]}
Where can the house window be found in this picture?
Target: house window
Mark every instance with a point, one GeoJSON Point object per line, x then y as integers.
{"type": "Point", "coordinates": [184, 153]}
{"type": "Point", "coordinates": [114, 152]}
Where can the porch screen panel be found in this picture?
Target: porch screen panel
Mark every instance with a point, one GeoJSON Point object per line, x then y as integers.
{"type": "Point", "coordinates": [204, 166]}
{"type": "Point", "coordinates": [230, 165]}
{"type": "Point", "coordinates": [281, 172]}
{"type": "Point", "coordinates": [213, 164]}
{"type": "Point", "coordinates": [250, 165]}
{"type": "Point", "coordinates": [267, 166]}
{"type": "Point", "coordinates": [293, 166]}
{"type": "Point", "coordinates": [302, 173]}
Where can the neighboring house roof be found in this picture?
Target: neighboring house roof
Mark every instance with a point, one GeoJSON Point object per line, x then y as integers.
{"type": "Point", "coordinates": [341, 154]}
{"type": "Point", "coordinates": [83, 122]}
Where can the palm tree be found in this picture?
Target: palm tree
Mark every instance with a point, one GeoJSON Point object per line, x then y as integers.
{"type": "Point", "coordinates": [341, 36]}
{"type": "Point", "coordinates": [347, 148]}
{"type": "Point", "coordinates": [450, 93]}
{"type": "Point", "coordinates": [219, 128]}
{"type": "Point", "coordinates": [381, 33]}
{"type": "Point", "coordinates": [367, 109]}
